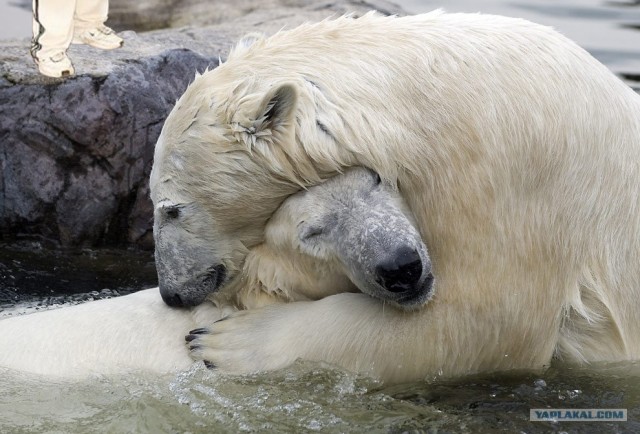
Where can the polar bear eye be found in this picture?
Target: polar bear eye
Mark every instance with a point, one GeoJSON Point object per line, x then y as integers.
{"type": "Point", "coordinates": [172, 212]}
{"type": "Point", "coordinates": [307, 233]}
{"type": "Point", "coordinates": [377, 180]}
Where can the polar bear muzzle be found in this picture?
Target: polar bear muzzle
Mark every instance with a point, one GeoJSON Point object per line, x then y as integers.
{"type": "Point", "coordinates": [363, 225]}
{"type": "Point", "coordinates": [195, 291]}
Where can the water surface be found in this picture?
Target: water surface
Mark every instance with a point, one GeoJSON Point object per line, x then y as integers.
{"type": "Point", "coordinates": [310, 398]}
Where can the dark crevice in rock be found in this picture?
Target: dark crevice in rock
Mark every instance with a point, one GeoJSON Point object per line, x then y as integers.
{"type": "Point", "coordinates": [116, 229]}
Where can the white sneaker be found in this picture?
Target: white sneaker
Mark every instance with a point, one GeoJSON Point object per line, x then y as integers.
{"type": "Point", "coordinates": [100, 37]}
{"type": "Point", "coordinates": [57, 65]}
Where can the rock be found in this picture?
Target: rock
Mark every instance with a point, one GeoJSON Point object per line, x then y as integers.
{"type": "Point", "coordinates": [75, 154]}
{"type": "Point", "coordinates": [155, 14]}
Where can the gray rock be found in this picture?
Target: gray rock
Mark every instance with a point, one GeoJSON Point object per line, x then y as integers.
{"type": "Point", "coordinates": [75, 154]}
{"type": "Point", "coordinates": [156, 14]}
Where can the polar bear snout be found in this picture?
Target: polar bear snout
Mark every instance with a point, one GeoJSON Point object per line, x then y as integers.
{"type": "Point", "coordinates": [363, 227]}
{"type": "Point", "coordinates": [194, 291]}
{"type": "Point", "coordinates": [404, 278]}
{"type": "Point", "coordinates": [190, 267]}
{"type": "Point", "coordinates": [172, 299]}
{"type": "Point", "coordinates": [401, 271]}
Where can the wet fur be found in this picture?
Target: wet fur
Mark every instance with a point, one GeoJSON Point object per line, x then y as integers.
{"type": "Point", "coordinates": [517, 152]}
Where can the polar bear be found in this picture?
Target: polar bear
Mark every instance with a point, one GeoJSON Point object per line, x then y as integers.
{"type": "Point", "coordinates": [517, 152]}
{"type": "Point", "coordinates": [304, 257]}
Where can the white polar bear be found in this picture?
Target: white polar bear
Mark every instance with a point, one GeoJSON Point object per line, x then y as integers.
{"type": "Point", "coordinates": [303, 258]}
{"type": "Point", "coordinates": [517, 152]}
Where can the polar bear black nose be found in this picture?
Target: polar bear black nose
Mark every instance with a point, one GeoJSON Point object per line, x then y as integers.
{"type": "Point", "coordinates": [400, 271]}
{"type": "Point", "coordinates": [172, 300]}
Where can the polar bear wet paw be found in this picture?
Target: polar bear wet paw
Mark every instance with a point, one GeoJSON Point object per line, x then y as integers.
{"type": "Point", "coordinates": [243, 342]}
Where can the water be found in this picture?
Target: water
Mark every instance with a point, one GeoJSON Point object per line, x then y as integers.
{"type": "Point", "coordinates": [310, 398]}
{"type": "Point", "coordinates": [34, 278]}
{"type": "Point", "coordinates": [305, 397]}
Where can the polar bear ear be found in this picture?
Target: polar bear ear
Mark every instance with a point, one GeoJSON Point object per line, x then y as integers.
{"type": "Point", "coordinates": [276, 111]}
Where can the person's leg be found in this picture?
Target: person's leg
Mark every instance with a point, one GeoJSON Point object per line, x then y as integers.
{"type": "Point", "coordinates": [90, 16]}
{"type": "Point", "coordinates": [52, 34]}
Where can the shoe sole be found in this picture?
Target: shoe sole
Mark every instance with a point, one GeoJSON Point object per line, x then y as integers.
{"type": "Point", "coordinates": [63, 74]}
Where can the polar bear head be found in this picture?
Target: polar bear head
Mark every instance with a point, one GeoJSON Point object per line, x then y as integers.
{"type": "Point", "coordinates": [352, 232]}
{"type": "Point", "coordinates": [219, 173]}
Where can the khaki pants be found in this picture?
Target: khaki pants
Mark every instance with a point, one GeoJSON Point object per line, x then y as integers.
{"type": "Point", "coordinates": [55, 22]}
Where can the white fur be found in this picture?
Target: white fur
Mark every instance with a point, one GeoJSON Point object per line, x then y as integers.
{"type": "Point", "coordinates": [133, 332]}
{"type": "Point", "coordinates": [517, 151]}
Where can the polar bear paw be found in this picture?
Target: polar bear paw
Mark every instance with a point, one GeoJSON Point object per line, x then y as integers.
{"type": "Point", "coordinates": [244, 342]}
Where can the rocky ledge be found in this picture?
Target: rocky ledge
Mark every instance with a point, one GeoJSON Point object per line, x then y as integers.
{"type": "Point", "coordinates": [76, 153]}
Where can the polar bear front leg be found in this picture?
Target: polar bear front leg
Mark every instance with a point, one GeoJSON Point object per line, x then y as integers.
{"type": "Point", "coordinates": [275, 336]}
{"type": "Point", "coordinates": [353, 331]}
{"type": "Point", "coordinates": [362, 334]}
